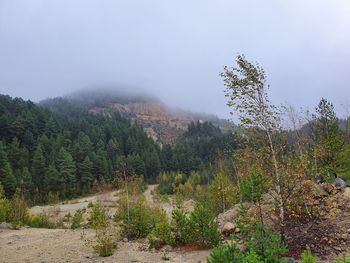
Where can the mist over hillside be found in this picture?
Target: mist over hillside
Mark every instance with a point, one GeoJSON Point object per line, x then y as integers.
{"type": "Point", "coordinates": [160, 121]}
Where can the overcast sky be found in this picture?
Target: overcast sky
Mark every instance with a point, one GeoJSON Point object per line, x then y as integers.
{"type": "Point", "coordinates": [175, 49]}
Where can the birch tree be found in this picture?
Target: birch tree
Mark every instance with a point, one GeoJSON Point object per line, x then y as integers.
{"type": "Point", "coordinates": [246, 91]}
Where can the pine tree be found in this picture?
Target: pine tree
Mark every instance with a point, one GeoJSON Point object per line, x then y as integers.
{"type": "Point", "coordinates": [67, 170]}
{"type": "Point", "coordinates": [39, 170]}
{"type": "Point", "coordinates": [8, 180]}
{"type": "Point", "coordinates": [86, 177]}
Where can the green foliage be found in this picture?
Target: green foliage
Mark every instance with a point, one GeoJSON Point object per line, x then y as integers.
{"type": "Point", "coordinates": [98, 217]}
{"type": "Point", "coordinates": [18, 213]}
{"type": "Point", "coordinates": [226, 253]}
{"type": "Point", "coordinates": [253, 187]}
{"type": "Point", "coordinates": [40, 221]}
{"type": "Point", "coordinates": [4, 209]}
{"type": "Point", "coordinates": [221, 194]}
{"type": "Point", "coordinates": [343, 259]}
{"type": "Point", "coordinates": [204, 230]}
{"type": "Point", "coordinates": [77, 218]}
{"type": "Point", "coordinates": [229, 253]}
{"type": "Point", "coordinates": [162, 234]}
{"type": "Point", "coordinates": [105, 244]}
{"type": "Point", "coordinates": [137, 220]}
{"type": "Point", "coordinates": [181, 226]}
{"type": "Point", "coordinates": [307, 257]}
{"type": "Point", "coordinates": [265, 243]}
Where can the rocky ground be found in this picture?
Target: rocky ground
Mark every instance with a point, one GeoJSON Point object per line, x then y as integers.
{"type": "Point", "coordinates": [327, 233]}
{"type": "Point", "coordinates": [59, 245]}
{"type": "Point", "coordinates": [66, 245]}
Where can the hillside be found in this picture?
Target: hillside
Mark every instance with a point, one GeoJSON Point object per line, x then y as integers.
{"type": "Point", "coordinates": [159, 121]}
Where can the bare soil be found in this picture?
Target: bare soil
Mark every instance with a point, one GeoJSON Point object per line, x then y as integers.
{"type": "Point", "coordinates": [66, 245]}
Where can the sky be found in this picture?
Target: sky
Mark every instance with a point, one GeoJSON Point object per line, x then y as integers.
{"type": "Point", "coordinates": [175, 49]}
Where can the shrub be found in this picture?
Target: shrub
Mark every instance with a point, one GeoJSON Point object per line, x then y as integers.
{"type": "Point", "coordinates": [203, 228]}
{"type": "Point", "coordinates": [162, 234]}
{"type": "Point", "coordinates": [105, 244]}
{"type": "Point", "coordinates": [266, 243]}
{"type": "Point", "coordinates": [98, 217]}
{"type": "Point", "coordinates": [221, 194]}
{"type": "Point", "coordinates": [229, 253]}
{"type": "Point", "coordinates": [40, 221]}
{"type": "Point", "coordinates": [225, 253]}
{"type": "Point", "coordinates": [307, 257]}
{"type": "Point", "coordinates": [181, 226]}
{"type": "Point", "coordinates": [4, 209]}
{"type": "Point", "coordinates": [18, 211]}
{"type": "Point", "coordinates": [343, 259]}
{"type": "Point", "coordinates": [76, 221]}
{"type": "Point", "coordinates": [137, 222]}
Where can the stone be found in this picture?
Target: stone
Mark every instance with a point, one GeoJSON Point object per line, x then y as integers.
{"type": "Point", "coordinates": [228, 228]}
{"type": "Point", "coordinates": [5, 225]}
{"type": "Point", "coordinates": [328, 187]}
{"type": "Point", "coordinates": [340, 183]}
{"type": "Point", "coordinates": [290, 260]}
{"type": "Point", "coordinates": [125, 239]}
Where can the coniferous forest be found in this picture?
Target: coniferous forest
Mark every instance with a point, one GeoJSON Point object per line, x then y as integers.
{"type": "Point", "coordinates": [59, 149]}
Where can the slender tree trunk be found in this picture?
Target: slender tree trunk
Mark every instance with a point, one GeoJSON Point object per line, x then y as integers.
{"type": "Point", "coordinates": [127, 194]}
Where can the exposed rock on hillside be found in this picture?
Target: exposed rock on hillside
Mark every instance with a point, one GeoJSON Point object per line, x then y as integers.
{"type": "Point", "coordinates": [159, 121]}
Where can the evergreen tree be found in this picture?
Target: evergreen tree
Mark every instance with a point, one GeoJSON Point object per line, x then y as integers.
{"type": "Point", "coordinates": [67, 169]}
{"type": "Point", "coordinates": [8, 180]}
{"type": "Point", "coordinates": [86, 177]}
{"type": "Point", "coordinates": [39, 170]}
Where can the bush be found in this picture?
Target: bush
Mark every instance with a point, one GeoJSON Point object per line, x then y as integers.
{"type": "Point", "coordinates": [203, 228]}
{"type": "Point", "coordinates": [265, 243]}
{"type": "Point", "coordinates": [40, 221]}
{"type": "Point", "coordinates": [105, 244]}
{"type": "Point", "coordinates": [225, 253]}
{"type": "Point", "coordinates": [98, 217]}
{"type": "Point", "coordinates": [307, 257]}
{"type": "Point", "coordinates": [139, 221]}
{"type": "Point", "coordinates": [181, 226]}
{"type": "Point", "coordinates": [162, 234]}
{"type": "Point", "coordinates": [4, 209]}
{"type": "Point", "coordinates": [229, 253]}
{"type": "Point", "coordinates": [76, 221]}
{"type": "Point", "coordinates": [343, 259]}
{"type": "Point", "coordinates": [18, 211]}
{"type": "Point", "coordinates": [221, 194]}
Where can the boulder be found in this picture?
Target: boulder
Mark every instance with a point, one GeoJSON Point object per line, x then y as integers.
{"type": "Point", "coordinates": [228, 228]}
{"type": "Point", "coordinates": [340, 183]}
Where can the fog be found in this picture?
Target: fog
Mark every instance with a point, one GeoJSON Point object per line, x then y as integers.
{"type": "Point", "coordinates": [175, 49]}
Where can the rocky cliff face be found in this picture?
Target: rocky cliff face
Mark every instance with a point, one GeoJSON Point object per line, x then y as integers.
{"type": "Point", "coordinates": [158, 120]}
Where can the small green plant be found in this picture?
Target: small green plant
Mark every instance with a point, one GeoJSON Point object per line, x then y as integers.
{"type": "Point", "coordinates": [229, 253]}
{"type": "Point", "coordinates": [76, 221]}
{"type": "Point", "coordinates": [181, 226]}
{"type": "Point", "coordinates": [225, 253]}
{"type": "Point", "coordinates": [162, 234]}
{"type": "Point", "coordinates": [203, 228]}
{"type": "Point", "coordinates": [105, 243]}
{"type": "Point", "coordinates": [40, 221]}
{"type": "Point", "coordinates": [4, 209]}
{"type": "Point", "coordinates": [18, 212]}
{"type": "Point", "coordinates": [98, 217]}
{"type": "Point", "coordinates": [136, 219]}
{"type": "Point", "coordinates": [343, 259]}
{"type": "Point", "coordinates": [307, 257]}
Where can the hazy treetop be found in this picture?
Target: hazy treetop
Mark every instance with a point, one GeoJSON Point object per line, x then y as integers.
{"type": "Point", "coordinates": [175, 49]}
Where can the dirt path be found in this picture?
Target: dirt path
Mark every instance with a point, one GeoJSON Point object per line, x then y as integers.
{"type": "Point", "coordinates": [58, 211]}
